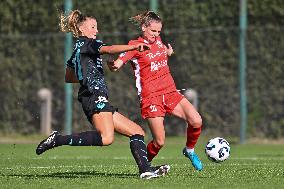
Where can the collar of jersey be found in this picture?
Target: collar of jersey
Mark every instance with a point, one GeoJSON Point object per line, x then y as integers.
{"type": "Point", "coordinates": [145, 41]}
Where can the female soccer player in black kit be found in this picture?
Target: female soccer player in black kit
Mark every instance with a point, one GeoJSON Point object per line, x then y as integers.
{"type": "Point", "coordinates": [85, 67]}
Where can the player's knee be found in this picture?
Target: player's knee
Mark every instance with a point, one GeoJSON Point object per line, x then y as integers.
{"type": "Point", "coordinates": [160, 142]}
{"type": "Point", "coordinates": [140, 131]}
{"type": "Point", "coordinates": [136, 131]}
{"type": "Point", "coordinates": [107, 140]}
{"type": "Point", "coordinates": [196, 122]}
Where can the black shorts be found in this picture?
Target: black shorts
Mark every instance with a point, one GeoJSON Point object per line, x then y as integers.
{"type": "Point", "coordinates": [95, 103]}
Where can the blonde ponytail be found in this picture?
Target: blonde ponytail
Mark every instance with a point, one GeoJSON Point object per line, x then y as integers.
{"type": "Point", "coordinates": [145, 19]}
{"type": "Point", "coordinates": [71, 22]}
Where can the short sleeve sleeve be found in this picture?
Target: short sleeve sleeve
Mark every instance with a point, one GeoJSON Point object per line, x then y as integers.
{"type": "Point", "coordinates": [126, 56]}
{"type": "Point", "coordinates": [92, 47]}
{"type": "Point", "coordinates": [96, 46]}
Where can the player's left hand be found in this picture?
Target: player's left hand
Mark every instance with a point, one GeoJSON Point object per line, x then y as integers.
{"type": "Point", "coordinates": [170, 50]}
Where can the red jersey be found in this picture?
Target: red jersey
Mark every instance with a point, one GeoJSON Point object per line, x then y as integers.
{"type": "Point", "coordinates": [151, 69]}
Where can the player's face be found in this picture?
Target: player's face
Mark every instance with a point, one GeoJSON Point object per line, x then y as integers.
{"type": "Point", "coordinates": [89, 28]}
{"type": "Point", "coordinates": [152, 31]}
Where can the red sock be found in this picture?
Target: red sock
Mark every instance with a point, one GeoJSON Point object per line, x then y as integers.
{"type": "Point", "coordinates": [152, 150]}
{"type": "Point", "coordinates": [192, 136]}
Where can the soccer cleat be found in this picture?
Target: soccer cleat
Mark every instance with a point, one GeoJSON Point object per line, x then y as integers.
{"type": "Point", "coordinates": [155, 172]}
{"type": "Point", "coordinates": [194, 159]}
{"type": "Point", "coordinates": [47, 144]}
{"type": "Point", "coordinates": [148, 175]}
{"type": "Point", "coordinates": [162, 170]}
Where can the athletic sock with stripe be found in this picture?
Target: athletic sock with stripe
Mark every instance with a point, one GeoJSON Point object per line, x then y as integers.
{"type": "Point", "coordinates": [139, 152]}
{"type": "Point", "coordinates": [88, 138]}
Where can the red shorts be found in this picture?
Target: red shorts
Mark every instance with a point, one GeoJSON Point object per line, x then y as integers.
{"type": "Point", "coordinates": [158, 106]}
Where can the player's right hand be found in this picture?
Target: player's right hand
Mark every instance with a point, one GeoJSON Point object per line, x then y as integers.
{"type": "Point", "coordinates": [142, 47]}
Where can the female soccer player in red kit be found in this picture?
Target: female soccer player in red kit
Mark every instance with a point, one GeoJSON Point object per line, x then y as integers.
{"type": "Point", "coordinates": [156, 88]}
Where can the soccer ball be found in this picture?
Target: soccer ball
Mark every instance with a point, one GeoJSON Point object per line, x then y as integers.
{"type": "Point", "coordinates": [217, 149]}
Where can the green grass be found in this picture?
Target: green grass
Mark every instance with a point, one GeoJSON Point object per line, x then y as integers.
{"type": "Point", "coordinates": [249, 166]}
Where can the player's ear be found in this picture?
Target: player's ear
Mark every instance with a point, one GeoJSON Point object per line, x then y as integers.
{"type": "Point", "coordinates": [143, 28]}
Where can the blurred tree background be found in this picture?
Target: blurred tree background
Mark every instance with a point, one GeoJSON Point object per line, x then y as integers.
{"type": "Point", "coordinates": [204, 35]}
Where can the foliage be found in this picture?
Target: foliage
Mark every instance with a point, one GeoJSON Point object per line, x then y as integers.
{"type": "Point", "coordinates": [205, 37]}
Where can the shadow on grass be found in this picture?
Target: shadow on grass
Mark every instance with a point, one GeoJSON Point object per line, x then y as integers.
{"type": "Point", "coordinates": [87, 174]}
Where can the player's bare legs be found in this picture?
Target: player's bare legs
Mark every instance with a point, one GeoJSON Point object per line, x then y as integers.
{"type": "Point", "coordinates": [103, 123]}
{"type": "Point", "coordinates": [157, 128]}
{"type": "Point", "coordinates": [186, 111]}
{"type": "Point", "coordinates": [125, 126]}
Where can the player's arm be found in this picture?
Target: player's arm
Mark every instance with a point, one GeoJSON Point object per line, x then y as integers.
{"type": "Point", "coordinates": [70, 76]}
{"type": "Point", "coordinates": [114, 49]}
{"type": "Point", "coordinates": [115, 65]}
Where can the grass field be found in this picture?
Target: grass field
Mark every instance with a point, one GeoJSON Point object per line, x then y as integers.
{"type": "Point", "coordinates": [249, 166]}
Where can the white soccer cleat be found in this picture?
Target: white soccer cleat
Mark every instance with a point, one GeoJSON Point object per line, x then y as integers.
{"type": "Point", "coordinates": [158, 171]}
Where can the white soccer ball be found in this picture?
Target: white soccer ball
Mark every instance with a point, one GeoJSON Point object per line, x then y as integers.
{"type": "Point", "coordinates": [217, 149]}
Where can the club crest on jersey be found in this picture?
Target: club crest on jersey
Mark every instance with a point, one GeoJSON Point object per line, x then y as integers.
{"type": "Point", "coordinates": [153, 108]}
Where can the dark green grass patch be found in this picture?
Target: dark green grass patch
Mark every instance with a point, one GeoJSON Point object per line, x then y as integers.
{"type": "Point", "coordinates": [249, 166]}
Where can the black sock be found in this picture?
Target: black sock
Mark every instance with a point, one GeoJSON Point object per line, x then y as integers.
{"type": "Point", "coordinates": [139, 152]}
{"type": "Point", "coordinates": [88, 138]}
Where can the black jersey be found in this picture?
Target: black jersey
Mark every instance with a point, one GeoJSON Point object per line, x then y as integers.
{"type": "Point", "coordinates": [87, 62]}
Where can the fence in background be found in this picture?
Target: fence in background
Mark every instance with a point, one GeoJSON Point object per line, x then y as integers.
{"type": "Point", "coordinates": [205, 36]}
